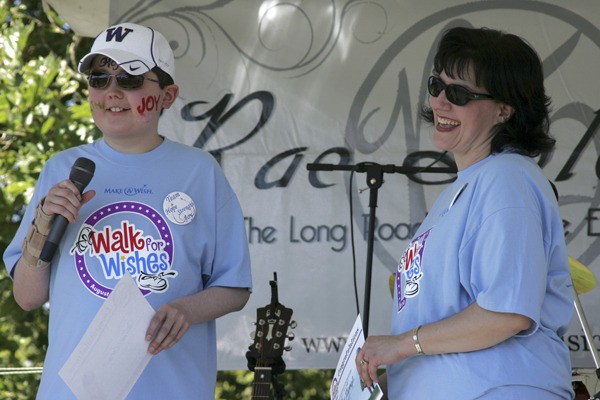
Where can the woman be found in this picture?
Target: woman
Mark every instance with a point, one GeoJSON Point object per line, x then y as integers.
{"type": "Point", "coordinates": [483, 291]}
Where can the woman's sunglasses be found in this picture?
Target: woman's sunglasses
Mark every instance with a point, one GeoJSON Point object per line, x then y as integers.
{"type": "Point", "coordinates": [456, 94]}
{"type": "Point", "coordinates": [101, 80]}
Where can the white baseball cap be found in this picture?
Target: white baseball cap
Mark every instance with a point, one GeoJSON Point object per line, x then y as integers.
{"type": "Point", "coordinates": [136, 48]}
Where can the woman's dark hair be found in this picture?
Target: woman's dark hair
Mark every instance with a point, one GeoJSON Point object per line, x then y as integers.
{"type": "Point", "coordinates": [511, 71]}
{"type": "Point", "coordinates": [164, 79]}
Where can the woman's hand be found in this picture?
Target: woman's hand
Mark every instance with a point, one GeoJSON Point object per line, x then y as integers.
{"type": "Point", "coordinates": [379, 351]}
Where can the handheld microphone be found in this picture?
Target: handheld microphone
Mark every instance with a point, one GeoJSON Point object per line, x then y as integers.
{"type": "Point", "coordinates": [81, 174]}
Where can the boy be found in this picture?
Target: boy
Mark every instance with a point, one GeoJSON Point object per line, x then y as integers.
{"type": "Point", "coordinates": [159, 210]}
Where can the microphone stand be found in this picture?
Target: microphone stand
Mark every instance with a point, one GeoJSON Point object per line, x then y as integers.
{"type": "Point", "coordinates": [374, 181]}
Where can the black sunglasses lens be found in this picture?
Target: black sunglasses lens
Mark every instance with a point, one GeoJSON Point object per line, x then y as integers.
{"type": "Point", "coordinates": [127, 81]}
{"type": "Point", "coordinates": [98, 81]}
{"type": "Point", "coordinates": [457, 95]}
{"type": "Point", "coordinates": [435, 86]}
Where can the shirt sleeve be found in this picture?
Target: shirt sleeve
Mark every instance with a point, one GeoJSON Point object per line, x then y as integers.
{"type": "Point", "coordinates": [230, 266]}
{"type": "Point", "coordinates": [509, 265]}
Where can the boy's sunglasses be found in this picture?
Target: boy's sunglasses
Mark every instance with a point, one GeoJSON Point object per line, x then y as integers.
{"type": "Point", "coordinates": [456, 94]}
{"type": "Point", "coordinates": [101, 80]}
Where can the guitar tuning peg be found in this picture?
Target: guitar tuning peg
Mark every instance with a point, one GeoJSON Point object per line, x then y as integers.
{"type": "Point", "coordinates": [291, 335]}
{"type": "Point", "coordinates": [288, 348]}
{"type": "Point", "coordinates": [293, 324]}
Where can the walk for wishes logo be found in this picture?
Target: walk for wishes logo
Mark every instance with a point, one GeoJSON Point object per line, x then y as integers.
{"type": "Point", "coordinates": [112, 250]}
{"type": "Point", "coordinates": [410, 270]}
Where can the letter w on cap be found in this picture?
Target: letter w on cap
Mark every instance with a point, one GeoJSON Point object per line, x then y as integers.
{"type": "Point", "coordinates": [117, 33]}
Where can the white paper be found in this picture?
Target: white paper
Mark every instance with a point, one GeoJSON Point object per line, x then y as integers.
{"type": "Point", "coordinates": [113, 352]}
{"type": "Point", "coordinates": [346, 384]}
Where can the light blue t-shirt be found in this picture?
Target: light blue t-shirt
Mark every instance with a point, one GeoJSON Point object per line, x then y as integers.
{"type": "Point", "coordinates": [168, 217]}
{"type": "Point", "coordinates": [494, 237]}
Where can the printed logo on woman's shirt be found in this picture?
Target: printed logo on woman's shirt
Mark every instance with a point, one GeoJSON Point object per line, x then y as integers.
{"type": "Point", "coordinates": [410, 270]}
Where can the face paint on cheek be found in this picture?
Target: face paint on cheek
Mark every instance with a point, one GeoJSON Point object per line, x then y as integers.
{"type": "Point", "coordinates": [150, 103]}
{"type": "Point", "coordinates": [96, 105]}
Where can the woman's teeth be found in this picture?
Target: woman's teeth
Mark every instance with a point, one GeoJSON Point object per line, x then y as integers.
{"type": "Point", "coordinates": [447, 122]}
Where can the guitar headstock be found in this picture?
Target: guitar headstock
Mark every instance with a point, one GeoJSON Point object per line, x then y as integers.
{"type": "Point", "coordinates": [271, 332]}
{"type": "Point", "coordinates": [272, 323]}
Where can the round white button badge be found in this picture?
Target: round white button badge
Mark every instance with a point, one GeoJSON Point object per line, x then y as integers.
{"type": "Point", "coordinates": [179, 208]}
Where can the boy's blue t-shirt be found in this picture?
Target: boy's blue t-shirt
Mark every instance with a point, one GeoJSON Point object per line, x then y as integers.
{"type": "Point", "coordinates": [169, 218]}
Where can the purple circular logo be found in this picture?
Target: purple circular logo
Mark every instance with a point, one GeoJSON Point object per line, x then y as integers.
{"type": "Point", "coordinates": [123, 249]}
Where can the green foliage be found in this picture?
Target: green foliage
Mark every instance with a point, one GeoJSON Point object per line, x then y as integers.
{"type": "Point", "coordinates": [43, 110]}
{"type": "Point", "coordinates": [297, 384]}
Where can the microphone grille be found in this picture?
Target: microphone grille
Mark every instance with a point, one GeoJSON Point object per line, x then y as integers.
{"type": "Point", "coordinates": [82, 171]}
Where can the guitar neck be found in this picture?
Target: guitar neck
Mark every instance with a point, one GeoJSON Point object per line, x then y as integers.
{"type": "Point", "coordinates": [261, 387]}
{"type": "Point", "coordinates": [274, 293]}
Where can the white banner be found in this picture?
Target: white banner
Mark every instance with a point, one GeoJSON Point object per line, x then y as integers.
{"type": "Point", "coordinates": [271, 86]}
